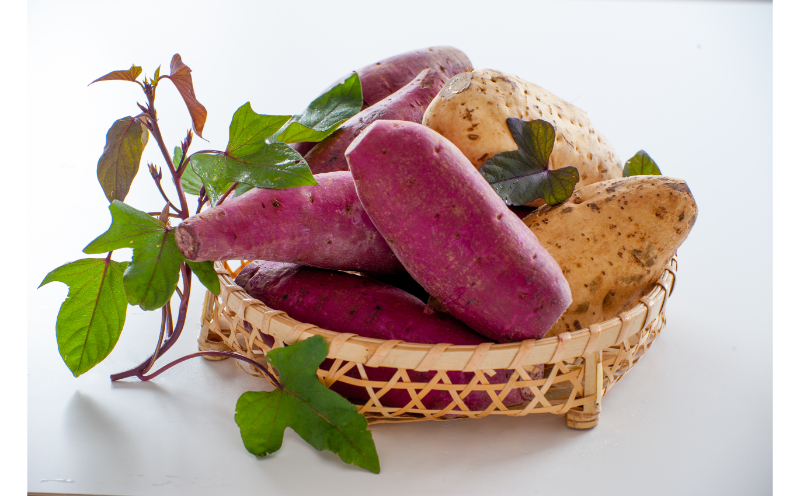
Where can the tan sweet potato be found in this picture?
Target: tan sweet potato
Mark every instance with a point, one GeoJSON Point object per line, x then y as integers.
{"type": "Point", "coordinates": [612, 240]}
{"type": "Point", "coordinates": [472, 108]}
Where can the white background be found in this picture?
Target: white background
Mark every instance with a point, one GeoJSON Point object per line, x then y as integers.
{"type": "Point", "coordinates": [689, 82]}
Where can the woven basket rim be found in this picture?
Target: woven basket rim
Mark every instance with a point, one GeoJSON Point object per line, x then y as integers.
{"type": "Point", "coordinates": [442, 356]}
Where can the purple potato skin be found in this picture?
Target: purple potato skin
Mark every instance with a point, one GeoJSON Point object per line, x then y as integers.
{"type": "Point", "coordinates": [406, 104]}
{"type": "Point", "coordinates": [454, 234]}
{"type": "Point", "coordinates": [403, 281]}
{"type": "Point", "coordinates": [384, 77]}
{"type": "Point", "coordinates": [387, 76]}
{"type": "Point", "coordinates": [322, 226]}
{"type": "Point", "coordinates": [347, 303]}
{"type": "Point", "coordinates": [303, 147]}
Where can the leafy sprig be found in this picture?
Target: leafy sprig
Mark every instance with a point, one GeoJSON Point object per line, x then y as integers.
{"type": "Point", "coordinates": [249, 159]}
{"type": "Point", "coordinates": [91, 319]}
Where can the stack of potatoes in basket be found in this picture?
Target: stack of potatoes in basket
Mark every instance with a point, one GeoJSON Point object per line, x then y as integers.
{"type": "Point", "coordinates": [402, 238]}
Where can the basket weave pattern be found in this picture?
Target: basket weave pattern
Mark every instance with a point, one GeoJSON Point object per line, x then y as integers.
{"type": "Point", "coordinates": [579, 367]}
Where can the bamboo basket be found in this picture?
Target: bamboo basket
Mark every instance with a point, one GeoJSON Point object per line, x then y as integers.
{"type": "Point", "coordinates": [580, 367]}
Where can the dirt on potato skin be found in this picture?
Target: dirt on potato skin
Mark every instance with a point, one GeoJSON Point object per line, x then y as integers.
{"type": "Point", "coordinates": [472, 109]}
{"type": "Point", "coordinates": [612, 240]}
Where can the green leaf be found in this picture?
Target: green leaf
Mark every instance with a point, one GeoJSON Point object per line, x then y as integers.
{"type": "Point", "coordinates": [157, 74]}
{"type": "Point", "coordinates": [241, 189]}
{"type": "Point", "coordinates": [153, 273]}
{"type": "Point", "coordinates": [320, 416]}
{"type": "Point", "coordinates": [119, 163]}
{"type": "Point", "coordinates": [521, 176]}
{"type": "Point", "coordinates": [534, 138]}
{"type": "Point", "coordinates": [274, 165]}
{"type": "Point", "coordinates": [152, 276]}
{"type": "Point", "coordinates": [129, 75]}
{"type": "Point", "coordinates": [250, 160]}
{"type": "Point", "coordinates": [207, 274]}
{"type": "Point", "coordinates": [325, 114]}
{"type": "Point", "coordinates": [249, 130]}
{"type": "Point", "coordinates": [91, 318]}
{"type": "Point", "coordinates": [212, 171]}
{"type": "Point", "coordinates": [190, 181]}
{"type": "Point", "coordinates": [511, 177]}
{"type": "Point", "coordinates": [640, 165]}
{"type": "Point", "coordinates": [130, 228]}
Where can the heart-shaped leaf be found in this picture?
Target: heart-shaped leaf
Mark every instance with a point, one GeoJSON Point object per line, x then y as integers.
{"type": "Point", "coordinates": [90, 320]}
{"type": "Point", "coordinates": [320, 416]}
{"type": "Point", "coordinates": [522, 176]}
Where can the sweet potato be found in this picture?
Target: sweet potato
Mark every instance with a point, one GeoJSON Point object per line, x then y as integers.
{"type": "Point", "coordinates": [402, 281]}
{"type": "Point", "coordinates": [454, 234]}
{"type": "Point", "coordinates": [383, 78]}
{"type": "Point", "coordinates": [612, 240]}
{"type": "Point", "coordinates": [322, 226]}
{"type": "Point", "coordinates": [406, 104]}
{"type": "Point", "coordinates": [471, 111]}
{"type": "Point", "coordinates": [348, 303]}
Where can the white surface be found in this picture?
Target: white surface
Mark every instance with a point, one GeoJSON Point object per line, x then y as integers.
{"type": "Point", "coordinates": [688, 82]}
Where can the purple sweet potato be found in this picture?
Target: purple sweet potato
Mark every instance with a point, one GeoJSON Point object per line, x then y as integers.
{"type": "Point", "coordinates": [343, 302]}
{"type": "Point", "coordinates": [322, 226]}
{"type": "Point", "coordinates": [406, 104]}
{"type": "Point", "coordinates": [454, 234]}
{"type": "Point", "coordinates": [402, 280]}
{"type": "Point", "coordinates": [383, 78]}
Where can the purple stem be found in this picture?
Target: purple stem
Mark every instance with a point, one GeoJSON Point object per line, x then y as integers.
{"type": "Point", "coordinates": [228, 192]}
{"type": "Point", "coordinates": [228, 354]}
{"type": "Point", "coordinates": [170, 327]}
{"type": "Point", "coordinates": [143, 367]}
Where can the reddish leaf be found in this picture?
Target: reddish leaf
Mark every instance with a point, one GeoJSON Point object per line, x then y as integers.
{"type": "Point", "coordinates": [129, 75]}
{"type": "Point", "coordinates": [181, 77]}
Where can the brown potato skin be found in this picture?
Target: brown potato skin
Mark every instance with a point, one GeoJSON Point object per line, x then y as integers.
{"type": "Point", "coordinates": [472, 108]}
{"type": "Point", "coordinates": [612, 240]}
